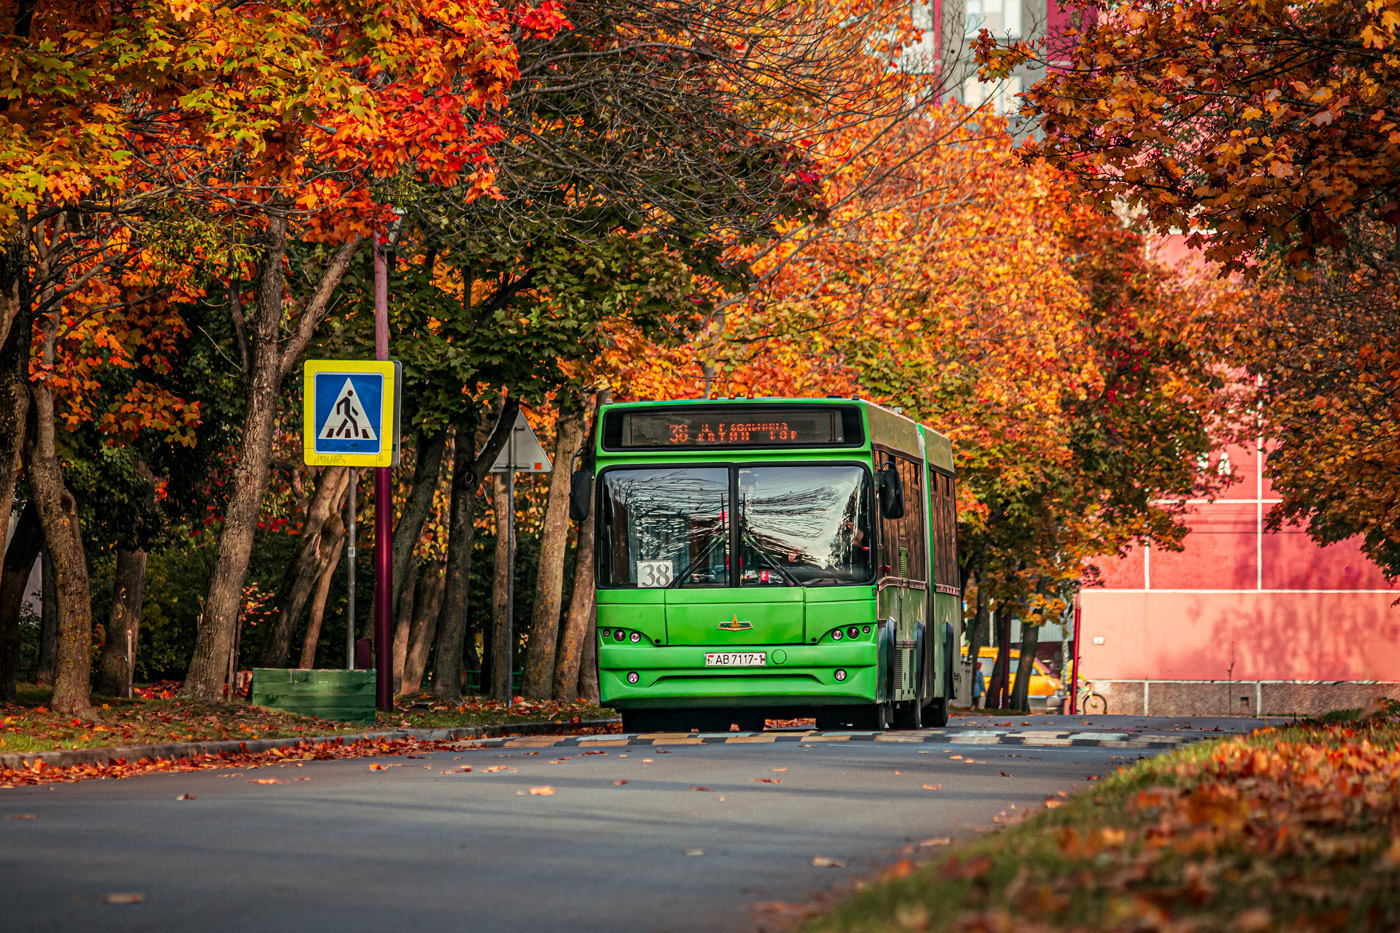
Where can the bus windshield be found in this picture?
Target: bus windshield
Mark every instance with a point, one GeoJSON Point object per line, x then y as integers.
{"type": "Point", "coordinates": [664, 527]}
{"type": "Point", "coordinates": [797, 526]}
{"type": "Point", "coordinates": [807, 525]}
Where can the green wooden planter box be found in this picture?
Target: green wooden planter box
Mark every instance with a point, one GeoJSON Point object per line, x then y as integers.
{"type": "Point", "coordinates": [345, 696]}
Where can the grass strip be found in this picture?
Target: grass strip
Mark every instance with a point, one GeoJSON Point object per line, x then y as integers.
{"type": "Point", "coordinates": [1296, 828]}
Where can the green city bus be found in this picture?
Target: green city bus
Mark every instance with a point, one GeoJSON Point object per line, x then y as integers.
{"type": "Point", "coordinates": [771, 559]}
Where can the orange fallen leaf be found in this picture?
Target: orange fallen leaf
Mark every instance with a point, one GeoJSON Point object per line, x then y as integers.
{"type": "Point", "coordinates": [495, 768]}
{"type": "Point", "coordinates": [933, 787]}
{"type": "Point", "coordinates": [22, 816]}
{"type": "Point", "coordinates": [777, 770]}
{"type": "Point", "coordinates": [767, 781]}
{"type": "Point", "coordinates": [821, 861]}
{"type": "Point", "coordinates": [703, 790]}
{"type": "Point", "coordinates": [125, 897]}
{"type": "Point", "coordinates": [541, 792]}
{"type": "Point", "coordinates": [185, 797]}
{"type": "Point", "coordinates": [265, 781]}
{"type": "Point", "coordinates": [1004, 774]}
{"type": "Point", "coordinates": [376, 767]}
{"type": "Point", "coordinates": [619, 783]}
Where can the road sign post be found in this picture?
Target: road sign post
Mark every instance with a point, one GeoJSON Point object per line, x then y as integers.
{"type": "Point", "coordinates": [351, 419]}
{"type": "Point", "coordinates": [383, 508]}
{"type": "Point", "coordinates": [522, 453]}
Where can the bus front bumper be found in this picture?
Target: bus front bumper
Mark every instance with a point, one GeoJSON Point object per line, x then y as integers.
{"type": "Point", "coordinates": [791, 675]}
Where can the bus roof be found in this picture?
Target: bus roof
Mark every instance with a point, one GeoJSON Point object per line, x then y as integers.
{"type": "Point", "coordinates": [884, 426]}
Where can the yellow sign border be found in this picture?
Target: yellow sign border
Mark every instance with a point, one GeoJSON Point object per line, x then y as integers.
{"type": "Point", "coordinates": [388, 369]}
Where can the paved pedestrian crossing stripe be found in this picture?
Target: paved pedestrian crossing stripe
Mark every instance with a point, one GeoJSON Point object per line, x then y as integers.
{"type": "Point", "coordinates": [1036, 738]}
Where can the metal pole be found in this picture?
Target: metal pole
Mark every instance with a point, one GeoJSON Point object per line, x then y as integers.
{"type": "Point", "coordinates": [350, 553]}
{"type": "Point", "coordinates": [383, 503]}
{"type": "Point", "coordinates": [508, 659]}
{"type": "Point", "coordinates": [1074, 663]}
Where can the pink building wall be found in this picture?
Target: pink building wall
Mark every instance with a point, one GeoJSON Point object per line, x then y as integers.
{"type": "Point", "coordinates": [1242, 604]}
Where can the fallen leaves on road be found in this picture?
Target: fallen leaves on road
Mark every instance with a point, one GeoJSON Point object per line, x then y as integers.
{"type": "Point", "coordinates": [620, 782]}
{"type": "Point", "coordinates": [821, 861]}
{"type": "Point", "coordinates": [22, 816]}
{"type": "Point", "coordinates": [767, 781]}
{"type": "Point", "coordinates": [541, 792]}
{"type": "Point", "coordinates": [124, 897]}
{"type": "Point", "coordinates": [703, 790]}
{"type": "Point", "coordinates": [186, 797]}
{"type": "Point", "coordinates": [933, 787]}
{"type": "Point", "coordinates": [265, 781]}
{"type": "Point", "coordinates": [37, 772]}
{"type": "Point", "coordinates": [376, 767]}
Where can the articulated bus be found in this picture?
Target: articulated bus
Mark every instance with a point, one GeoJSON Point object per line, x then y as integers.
{"type": "Point", "coordinates": [772, 558]}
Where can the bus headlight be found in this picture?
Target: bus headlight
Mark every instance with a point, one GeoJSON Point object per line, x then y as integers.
{"type": "Point", "coordinates": [633, 677]}
{"type": "Point", "coordinates": [840, 675]}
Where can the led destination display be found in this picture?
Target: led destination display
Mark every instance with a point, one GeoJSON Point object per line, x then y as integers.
{"type": "Point", "coordinates": [798, 426]}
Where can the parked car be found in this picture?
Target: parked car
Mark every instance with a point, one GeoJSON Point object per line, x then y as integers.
{"type": "Point", "coordinates": [1047, 692]}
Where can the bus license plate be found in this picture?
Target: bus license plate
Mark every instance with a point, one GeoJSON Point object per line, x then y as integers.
{"type": "Point", "coordinates": [735, 658]}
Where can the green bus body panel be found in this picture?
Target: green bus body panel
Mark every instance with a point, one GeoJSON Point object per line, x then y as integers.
{"type": "Point", "coordinates": [778, 615]}
{"type": "Point", "coordinates": [678, 627]}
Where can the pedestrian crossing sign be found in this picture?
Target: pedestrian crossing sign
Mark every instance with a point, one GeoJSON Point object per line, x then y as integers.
{"type": "Point", "coordinates": [351, 412]}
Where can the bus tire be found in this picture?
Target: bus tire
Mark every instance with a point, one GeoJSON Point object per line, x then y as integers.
{"type": "Point", "coordinates": [874, 717]}
{"type": "Point", "coordinates": [937, 713]}
{"type": "Point", "coordinates": [908, 715]}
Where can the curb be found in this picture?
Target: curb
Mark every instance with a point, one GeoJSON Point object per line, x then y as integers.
{"type": "Point", "coordinates": [84, 756]}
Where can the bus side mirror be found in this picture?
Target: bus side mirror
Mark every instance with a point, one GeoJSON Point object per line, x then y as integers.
{"type": "Point", "coordinates": [580, 492]}
{"type": "Point", "coordinates": [891, 493]}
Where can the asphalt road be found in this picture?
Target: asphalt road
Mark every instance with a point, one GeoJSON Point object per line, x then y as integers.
{"type": "Point", "coordinates": [646, 833]}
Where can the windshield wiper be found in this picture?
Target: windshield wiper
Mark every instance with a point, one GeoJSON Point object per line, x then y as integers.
{"type": "Point", "coordinates": [699, 559]}
{"type": "Point", "coordinates": [721, 536]}
{"type": "Point", "coordinates": [746, 536]}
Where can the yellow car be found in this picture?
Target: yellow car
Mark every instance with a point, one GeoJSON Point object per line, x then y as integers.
{"type": "Point", "coordinates": [1047, 692]}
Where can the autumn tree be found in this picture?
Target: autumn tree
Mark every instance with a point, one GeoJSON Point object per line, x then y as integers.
{"type": "Point", "coordinates": [1251, 125]}
{"type": "Point", "coordinates": [1267, 132]}
{"type": "Point", "coordinates": [1324, 354]}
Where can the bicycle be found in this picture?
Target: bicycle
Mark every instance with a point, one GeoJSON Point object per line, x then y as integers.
{"type": "Point", "coordinates": [1088, 702]}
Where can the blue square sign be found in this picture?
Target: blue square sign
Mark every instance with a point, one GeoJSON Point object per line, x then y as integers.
{"type": "Point", "coordinates": [351, 412]}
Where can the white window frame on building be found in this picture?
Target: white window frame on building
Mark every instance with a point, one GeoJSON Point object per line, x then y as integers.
{"type": "Point", "coordinates": [1002, 18]}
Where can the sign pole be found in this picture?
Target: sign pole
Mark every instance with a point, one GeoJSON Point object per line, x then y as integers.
{"type": "Point", "coordinates": [383, 503]}
{"type": "Point", "coordinates": [508, 654]}
{"type": "Point", "coordinates": [350, 553]}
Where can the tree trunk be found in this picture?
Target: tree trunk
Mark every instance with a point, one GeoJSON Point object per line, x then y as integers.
{"type": "Point", "coordinates": [461, 532]}
{"type": "Point", "coordinates": [416, 510]}
{"type": "Point", "coordinates": [269, 363]}
{"type": "Point", "coordinates": [502, 629]}
{"type": "Point", "coordinates": [24, 549]}
{"type": "Point", "coordinates": [581, 615]}
{"type": "Point", "coordinates": [118, 660]}
{"type": "Point", "coordinates": [1001, 668]}
{"type": "Point", "coordinates": [554, 545]}
{"type": "Point", "coordinates": [336, 533]}
{"type": "Point", "coordinates": [427, 603]}
{"type": "Point", "coordinates": [301, 575]}
{"type": "Point", "coordinates": [407, 595]}
{"type": "Point", "coordinates": [58, 512]}
{"type": "Point", "coordinates": [16, 316]}
{"type": "Point", "coordinates": [47, 666]}
{"type": "Point", "coordinates": [976, 640]}
{"type": "Point", "coordinates": [1020, 696]}
{"type": "Point", "coordinates": [588, 667]}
